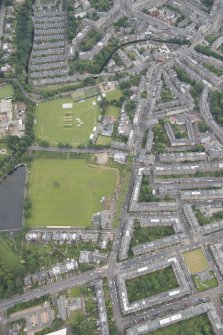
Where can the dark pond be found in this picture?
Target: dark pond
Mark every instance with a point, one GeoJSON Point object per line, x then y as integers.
{"type": "Point", "coordinates": [12, 199]}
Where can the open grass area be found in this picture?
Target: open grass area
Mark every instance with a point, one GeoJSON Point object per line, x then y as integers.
{"type": "Point", "coordinates": [114, 95]}
{"type": "Point", "coordinates": [75, 292]}
{"type": "Point", "coordinates": [195, 325]}
{"type": "Point", "coordinates": [206, 284]}
{"type": "Point", "coordinates": [104, 140]}
{"type": "Point", "coordinates": [195, 260]}
{"type": "Point", "coordinates": [7, 256]}
{"type": "Point", "coordinates": [148, 234]}
{"type": "Point", "coordinates": [68, 192]}
{"type": "Point", "coordinates": [151, 284]}
{"type": "Point", "coordinates": [72, 125]}
{"type": "Point", "coordinates": [74, 316]}
{"type": "Point", "coordinates": [113, 111]}
{"type": "Point", "coordinates": [6, 91]}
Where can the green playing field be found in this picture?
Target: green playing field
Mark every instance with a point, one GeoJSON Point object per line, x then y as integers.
{"type": "Point", "coordinates": [65, 121]}
{"type": "Point", "coordinates": [6, 91]}
{"type": "Point", "coordinates": [68, 192]}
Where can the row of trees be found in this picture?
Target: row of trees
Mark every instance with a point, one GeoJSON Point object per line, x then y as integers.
{"type": "Point", "coordinates": [108, 303]}
{"type": "Point", "coordinates": [216, 106]}
{"type": "Point", "coordinates": [30, 303]}
{"type": "Point", "coordinates": [23, 40]}
{"type": "Point", "coordinates": [72, 22]}
{"type": "Point", "coordinates": [206, 50]}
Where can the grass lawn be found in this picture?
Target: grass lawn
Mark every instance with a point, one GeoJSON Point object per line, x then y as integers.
{"type": "Point", "coordinates": [74, 316]}
{"type": "Point", "coordinates": [151, 284]}
{"type": "Point", "coordinates": [195, 260]}
{"type": "Point", "coordinates": [104, 140]}
{"type": "Point", "coordinates": [207, 284]}
{"type": "Point", "coordinates": [75, 292]}
{"type": "Point", "coordinates": [68, 192]}
{"type": "Point", "coordinates": [114, 95]}
{"type": "Point", "coordinates": [7, 256]}
{"type": "Point", "coordinates": [195, 325]}
{"type": "Point", "coordinates": [6, 91]}
{"type": "Point", "coordinates": [66, 125]}
{"type": "Point", "coordinates": [113, 111]}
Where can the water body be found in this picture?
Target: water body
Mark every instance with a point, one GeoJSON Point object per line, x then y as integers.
{"type": "Point", "coordinates": [12, 199]}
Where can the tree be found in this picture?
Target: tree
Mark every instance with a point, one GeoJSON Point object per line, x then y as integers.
{"type": "Point", "coordinates": [203, 127]}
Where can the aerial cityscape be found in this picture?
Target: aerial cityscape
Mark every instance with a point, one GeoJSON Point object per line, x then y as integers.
{"type": "Point", "coordinates": [111, 167]}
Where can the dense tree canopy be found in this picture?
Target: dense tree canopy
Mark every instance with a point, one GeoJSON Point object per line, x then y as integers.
{"type": "Point", "coordinates": [11, 282]}
{"type": "Point", "coordinates": [23, 39]}
{"type": "Point", "coordinates": [216, 105]}
{"type": "Point", "coordinates": [101, 5]}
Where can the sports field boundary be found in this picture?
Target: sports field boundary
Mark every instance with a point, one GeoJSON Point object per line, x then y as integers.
{"type": "Point", "coordinates": [85, 93]}
{"type": "Point", "coordinates": [195, 253]}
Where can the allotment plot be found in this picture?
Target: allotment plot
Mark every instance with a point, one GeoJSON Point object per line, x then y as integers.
{"type": "Point", "coordinates": [68, 192]}
{"type": "Point", "coordinates": [65, 121]}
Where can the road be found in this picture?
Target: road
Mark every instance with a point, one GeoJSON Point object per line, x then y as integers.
{"type": "Point", "coordinates": [53, 288]}
{"type": "Point", "coordinates": [68, 150]}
